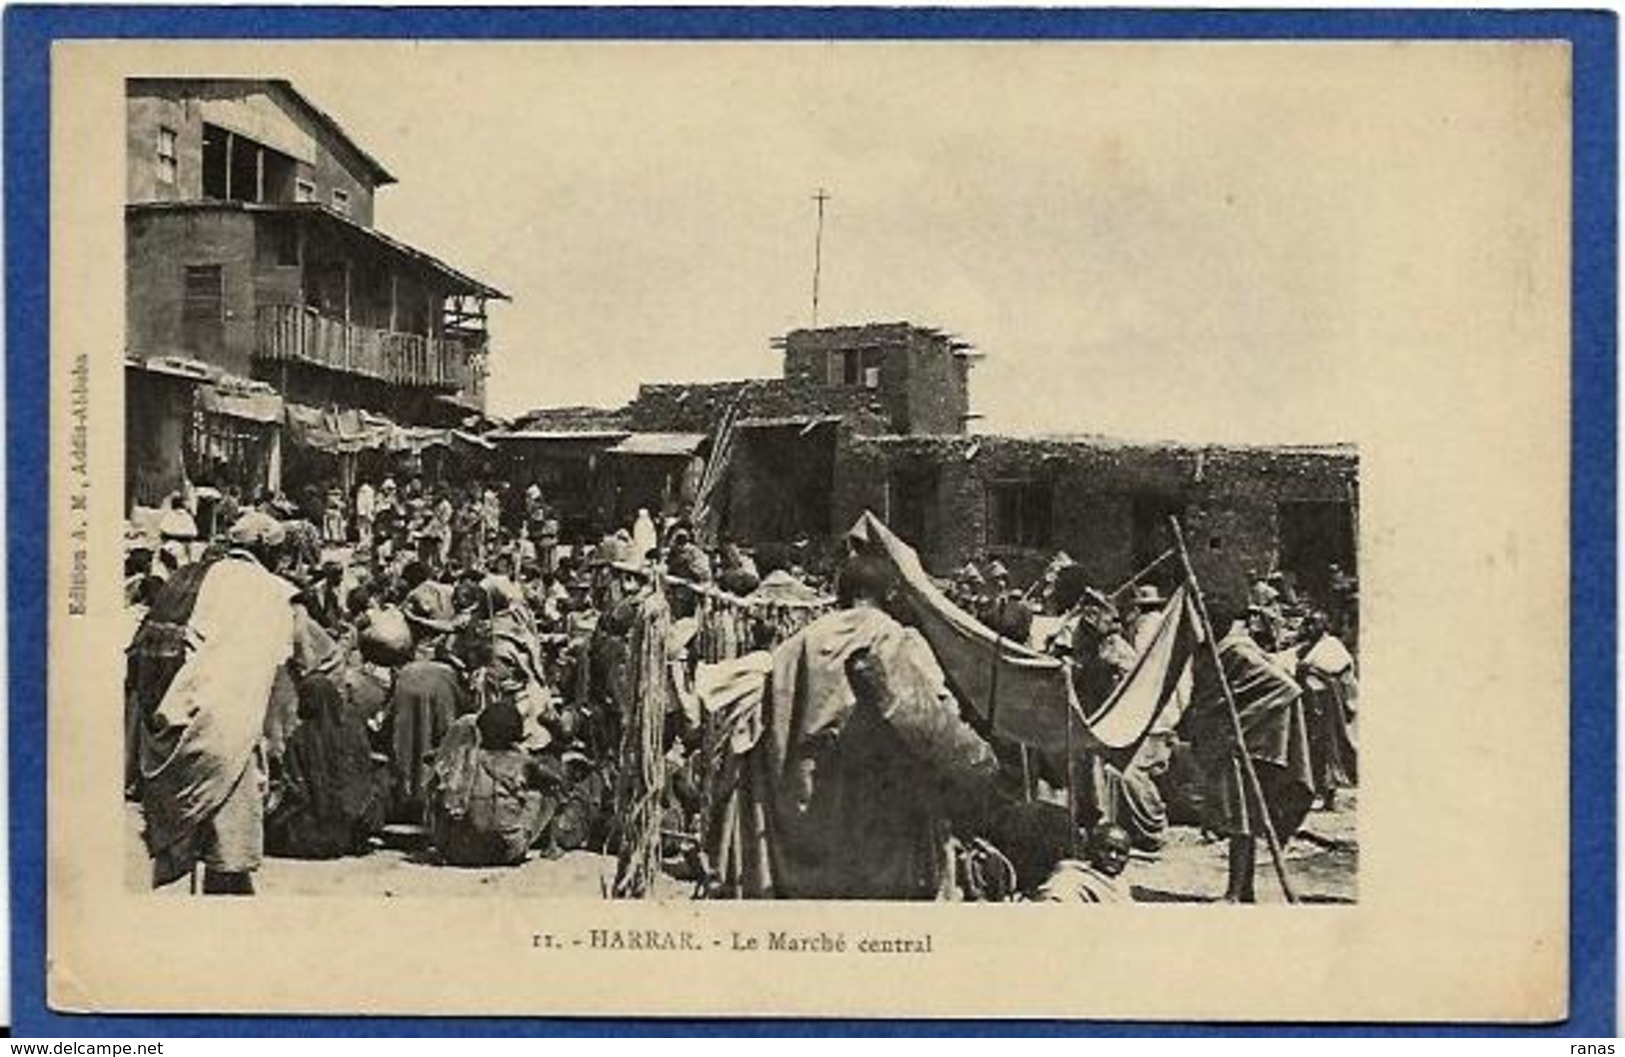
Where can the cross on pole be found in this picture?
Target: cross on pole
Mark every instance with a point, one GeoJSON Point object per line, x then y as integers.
{"type": "Point", "coordinates": [818, 251]}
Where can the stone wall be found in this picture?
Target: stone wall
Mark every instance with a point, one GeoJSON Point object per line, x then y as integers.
{"type": "Point", "coordinates": [698, 407]}
{"type": "Point", "coordinates": [922, 386]}
{"type": "Point", "coordinates": [1107, 500]}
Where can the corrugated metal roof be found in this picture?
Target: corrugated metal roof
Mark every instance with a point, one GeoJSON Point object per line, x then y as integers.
{"type": "Point", "coordinates": [174, 366]}
{"type": "Point", "coordinates": [660, 444]}
{"type": "Point", "coordinates": [806, 422]}
{"type": "Point", "coordinates": [557, 435]}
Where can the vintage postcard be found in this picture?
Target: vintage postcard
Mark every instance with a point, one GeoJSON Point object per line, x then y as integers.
{"type": "Point", "coordinates": [826, 528]}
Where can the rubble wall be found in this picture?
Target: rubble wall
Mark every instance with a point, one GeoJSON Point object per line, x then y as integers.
{"type": "Point", "coordinates": [1105, 498]}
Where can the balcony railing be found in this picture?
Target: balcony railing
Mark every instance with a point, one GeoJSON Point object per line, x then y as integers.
{"type": "Point", "coordinates": [297, 334]}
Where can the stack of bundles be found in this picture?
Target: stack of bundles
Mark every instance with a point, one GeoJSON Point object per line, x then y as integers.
{"type": "Point", "coordinates": [723, 633]}
{"type": "Point", "coordinates": [730, 626]}
{"type": "Point", "coordinates": [737, 856]}
{"type": "Point", "coordinates": [641, 785]}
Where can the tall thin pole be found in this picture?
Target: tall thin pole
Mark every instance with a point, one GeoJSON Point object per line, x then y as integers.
{"type": "Point", "coordinates": [1240, 747]}
{"type": "Point", "coordinates": [818, 251]}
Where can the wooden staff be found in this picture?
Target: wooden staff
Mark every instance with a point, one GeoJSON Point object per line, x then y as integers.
{"type": "Point", "coordinates": [1137, 577]}
{"type": "Point", "coordinates": [1071, 771]}
{"type": "Point", "coordinates": [1235, 716]}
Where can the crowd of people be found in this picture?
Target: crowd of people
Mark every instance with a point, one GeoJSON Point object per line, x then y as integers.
{"type": "Point", "coordinates": [433, 668]}
{"type": "Point", "coordinates": [1288, 658]}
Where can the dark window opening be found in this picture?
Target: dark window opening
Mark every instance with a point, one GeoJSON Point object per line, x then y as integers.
{"type": "Point", "coordinates": [215, 180]}
{"type": "Point", "coordinates": [913, 501]}
{"type": "Point", "coordinates": [238, 169]}
{"type": "Point", "coordinates": [1314, 536]}
{"type": "Point", "coordinates": [856, 367]}
{"type": "Point", "coordinates": [279, 178]}
{"type": "Point", "coordinates": [227, 451]}
{"type": "Point", "coordinates": [787, 477]}
{"type": "Point", "coordinates": [851, 367]}
{"type": "Point", "coordinates": [1020, 514]}
{"type": "Point", "coordinates": [245, 174]}
{"type": "Point", "coordinates": [1152, 536]}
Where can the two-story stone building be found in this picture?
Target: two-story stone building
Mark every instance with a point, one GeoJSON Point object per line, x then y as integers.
{"type": "Point", "coordinates": [272, 332]}
{"type": "Point", "coordinates": [875, 417]}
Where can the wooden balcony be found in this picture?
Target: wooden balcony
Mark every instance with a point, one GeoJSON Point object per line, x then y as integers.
{"type": "Point", "coordinates": [292, 333]}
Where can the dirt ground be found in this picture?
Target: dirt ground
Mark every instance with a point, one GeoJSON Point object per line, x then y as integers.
{"type": "Point", "coordinates": [1322, 862]}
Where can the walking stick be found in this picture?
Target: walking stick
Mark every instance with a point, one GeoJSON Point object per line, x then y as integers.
{"type": "Point", "coordinates": [1071, 772]}
{"type": "Point", "coordinates": [1235, 717]}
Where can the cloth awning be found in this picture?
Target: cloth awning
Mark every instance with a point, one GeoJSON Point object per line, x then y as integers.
{"type": "Point", "coordinates": [417, 438]}
{"type": "Point", "coordinates": [338, 431]}
{"type": "Point", "coordinates": [346, 430]}
{"type": "Point", "coordinates": [659, 444]}
{"type": "Point", "coordinates": [253, 403]}
{"type": "Point", "coordinates": [1026, 696]}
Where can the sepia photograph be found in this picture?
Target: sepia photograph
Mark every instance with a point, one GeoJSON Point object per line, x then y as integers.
{"type": "Point", "coordinates": [820, 521]}
{"type": "Point", "coordinates": [823, 633]}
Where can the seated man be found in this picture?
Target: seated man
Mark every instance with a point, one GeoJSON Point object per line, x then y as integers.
{"type": "Point", "coordinates": [1097, 880]}
{"type": "Point", "coordinates": [329, 796]}
{"type": "Point", "coordinates": [491, 800]}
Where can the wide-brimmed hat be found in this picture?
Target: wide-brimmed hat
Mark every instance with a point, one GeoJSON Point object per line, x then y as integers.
{"type": "Point", "coordinates": [608, 551]}
{"type": "Point", "coordinates": [632, 567]}
{"type": "Point", "coordinates": [175, 523]}
{"type": "Point", "coordinates": [1148, 595]}
{"type": "Point", "coordinates": [256, 528]}
{"type": "Point", "coordinates": [1061, 561]}
{"type": "Point", "coordinates": [429, 606]}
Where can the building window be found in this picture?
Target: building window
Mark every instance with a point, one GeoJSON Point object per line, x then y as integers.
{"type": "Point", "coordinates": [856, 367]}
{"type": "Point", "coordinates": [843, 367]}
{"type": "Point", "coordinates": [1019, 514]}
{"type": "Point", "coordinates": [304, 191]}
{"type": "Point", "coordinates": [202, 291]}
{"type": "Point", "coordinates": [1313, 536]}
{"type": "Point", "coordinates": [203, 308]}
{"type": "Point", "coordinates": [166, 155]}
{"type": "Point", "coordinates": [341, 202]}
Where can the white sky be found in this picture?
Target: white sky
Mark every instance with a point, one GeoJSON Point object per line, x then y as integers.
{"type": "Point", "coordinates": [1191, 242]}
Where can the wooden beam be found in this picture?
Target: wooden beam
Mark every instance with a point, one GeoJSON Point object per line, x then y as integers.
{"type": "Point", "coordinates": [347, 342]}
{"type": "Point", "coordinates": [259, 174]}
{"type": "Point", "coordinates": [299, 259]}
{"type": "Point", "coordinates": [231, 143]}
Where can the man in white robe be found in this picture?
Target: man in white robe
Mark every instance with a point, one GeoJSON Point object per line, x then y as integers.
{"type": "Point", "coordinates": [203, 771]}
